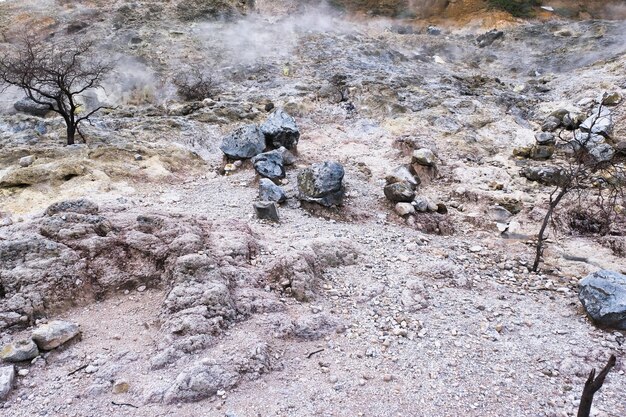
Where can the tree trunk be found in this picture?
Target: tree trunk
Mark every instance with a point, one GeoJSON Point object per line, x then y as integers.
{"type": "Point", "coordinates": [71, 132]}
{"type": "Point", "coordinates": [544, 225]}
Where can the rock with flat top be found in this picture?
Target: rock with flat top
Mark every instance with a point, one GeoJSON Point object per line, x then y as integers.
{"type": "Point", "coordinates": [51, 335]}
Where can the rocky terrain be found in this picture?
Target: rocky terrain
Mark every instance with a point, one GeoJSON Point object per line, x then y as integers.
{"type": "Point", "coordinates": [345, 226]}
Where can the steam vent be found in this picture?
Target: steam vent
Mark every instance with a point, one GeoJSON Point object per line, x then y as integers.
{"type": "Point", "coordinates": [312, 208]}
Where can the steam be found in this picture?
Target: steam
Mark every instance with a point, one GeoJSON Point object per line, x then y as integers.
{"type": "Point", "coordinates": [258, 38]}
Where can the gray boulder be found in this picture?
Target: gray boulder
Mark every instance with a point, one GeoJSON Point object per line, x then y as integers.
{"type": "Point", "coordinates": [280, 129]}
{"type": "Point", "coordinates": [602, 152]}
{"type": "Point", "coordinates": [22, 350]}
{"type": "Point", "coordinates": [600, 124]}
{"type": "Point", "coordinates": [26, 105]}
{"type": "Point", "coordinates": [244, 142]}
{"type": "Point", "coordinates": [603, 295]}
{"type": "Point", "coordinates": [268, 191]}
{"type": "Point", "coordinates": [399, 192]}
{"type": "Point", "coordinates": [7, 375]}
{"type": "Point", "coordinates": [322, 183]}
{"type": "Point", "coordinates": [544, 174]}
{"type": "Point", "coordinates": [270, 164]}
{"type": "Point", "coordinates": [54, 334]}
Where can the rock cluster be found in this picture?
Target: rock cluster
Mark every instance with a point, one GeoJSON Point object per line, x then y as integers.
{"type": "Point", "coordinates": [279, 130]}
{"type": "Point", "coordinates": [402, 185]}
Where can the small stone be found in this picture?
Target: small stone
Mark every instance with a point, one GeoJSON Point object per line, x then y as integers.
{"type": "Point", "coordinates": [612, 99]}
{"type": "Point", "coordinates": [399, 192]}
{"type": "Point", "coordinates": [54, 334]}
{"type": "Point", "coordinates": [266, 210]}
{"type": "Point", "coordinates": [424, 157]}
{"type": "Point", "coordinates": [91, 369]}
{"type": "Point", "coordinates": [22, 350]}
{"type": "Point", "coordinates": [268, 191]}
{"type": "Point", "coordinates": [476, 249]}
{"type": "Point", "coordinates": [23, 372]}
{"type": "Point", "coordinates": [7, 375]}
{"type": "Point", "coordinates": [387, 377]}
{"type": "Point", "coordinates": [545, 138]}
{"type": "Point", "coordinates": [120, 387]}
{"type": "Point", "coordinates": [551, 124]}
{"type": "Point", "coordinates": [141, 288]}
{"type": "Point", "coordinates": [404, 209]}
{"type": "Point", "coordinates": [138, 157]}
{"type": "Point", "coordinates": [26, 161]}
{"type": "Point", "coordinates": [541, 152]}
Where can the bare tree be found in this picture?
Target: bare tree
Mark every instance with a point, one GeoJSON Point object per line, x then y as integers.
{"type": "Point", "coordinates": [194, 84]}
{"type": "Point", "coordinates": [592, 171]}
{"type": "Point", "coordinates": [55, 75]}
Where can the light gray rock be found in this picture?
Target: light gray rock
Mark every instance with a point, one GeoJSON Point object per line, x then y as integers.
{"type": "Point", "coordinates": [244, 142]}
{"type": "Point", "coordinates": [22, 350]}
{"type": "Point", "coordinates": [322, 183]}
{"type": "Point", "coordinates": [603, 295]}
{"type": "Point", "coordinates": [601, 123]}
{"type": "Point", "coordinates": [280, 129]}
{"type": "Point", "coordinates": [603, 152]}
{"type": "Point", "coordinates": [51, 335]}
{"type": "Point", "coordinates": [26, 161]}
{"type": "Point", "coordinates": [268, 191]}
{"type": "Point", "coordinates": [403, 174]}
{"type": "Point", "coordinates": [200, 382]}
{"type": "Point", "coordinates": [424, 157]}
{"type": "Point", "coordinates": [7, 375]}
{"type": "Point", "coordinates": [404, 209]}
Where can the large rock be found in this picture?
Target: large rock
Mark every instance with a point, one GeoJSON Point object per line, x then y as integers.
{"type": "Point", "coordinates": [7, 375]}
{"type": "Point", "coordinates": [268, 191]}
{"type": "Point", "coordinates": [600, 123]}
{"type": "Point", "coordinates": [280, 129]}
{"type": "Point", "coordinates": [22, 350]}
{"type": "Point", "coordinates": [603, 295]}
{"type": "Point", "coordinates": [270, 164]}
{"type": "Point", "coordinates": [545, 174]}
{"type": "Point", "coordinates": [54, 334]}
{"type": "Point", "coordinates": [26, 105]}
{"type": "Point", "coordinates": [322, 183]}
{"type": "Point", "coordinates": [400, 192]}
{"type": "Point", "coordinates": [244, 142]}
